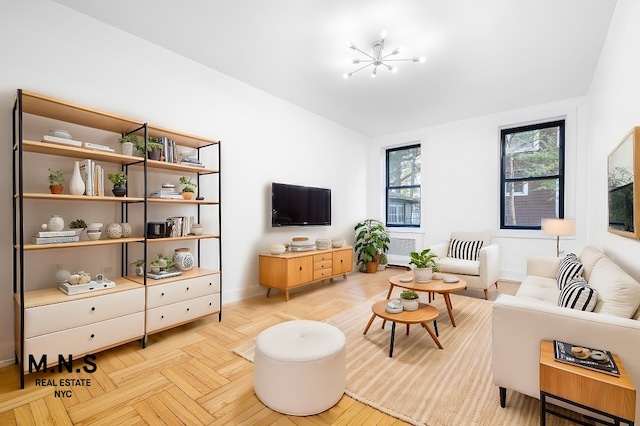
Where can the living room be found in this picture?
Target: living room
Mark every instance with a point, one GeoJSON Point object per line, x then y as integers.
{"type": "Point", "coordinates": [266, 139]}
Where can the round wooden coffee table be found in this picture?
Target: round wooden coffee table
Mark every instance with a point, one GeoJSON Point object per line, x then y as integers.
{"type": "Point", "coordinates": [433, 286]}
{"type": "Point", "coordinates": [422, 315]}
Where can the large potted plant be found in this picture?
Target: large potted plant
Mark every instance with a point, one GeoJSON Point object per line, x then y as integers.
{"type": "Point", "coordinates": [425, 262]}
{"type": "Point", "coordinates": [372, 239]}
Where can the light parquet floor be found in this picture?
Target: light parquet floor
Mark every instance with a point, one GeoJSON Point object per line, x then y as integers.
{"type": "Point", "coordinates": [189, 375]}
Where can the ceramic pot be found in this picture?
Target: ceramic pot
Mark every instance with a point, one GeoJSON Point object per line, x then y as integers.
{"type": "Point", "coordinates": [56, 189]}
{"type": "Point", "coordinates": [410, 304]}
{"type": "Point", "coordinates": [372, 267]}
{"type": "Point", "coordinates": [113, 230]}
{"type": "Point", "coordinates": [61, 276]}
{"type": "Point", "coordinates": [183, 259]}
{"type": "Point", "coordinates": [119, 190]}
{"type": "Point", "coordinates": [76, 184]}
{"type": "Point", "coordinates": [126, 229]}
{"type": "Point", "coordinates": [127, 148]}
{"type": "Point", "coordinates": [277, 249]}
{"type": "Point", "coordinates": [187, 195]}
{"type": "Point", "coordinates": [423, 275]}
{"type": "Point", "coordinates": [154, 154]}
{"type": "Point", "coordinates": [139, 270]}
{"type": "Point", "coordinates": [55, 223]}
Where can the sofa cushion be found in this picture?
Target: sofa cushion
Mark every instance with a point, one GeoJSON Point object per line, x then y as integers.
{"type": "Point", "coordinates": [588, 257]}
{"type": "Point", "coordinates": [465, 250]}
{"type": "Point", "coordinates": [576, 294]}
{"type": "Point", "coordinates": [539, 288]}
{"type": "Point", "coordinates": [458, 266]}
{"type": "Point", "coordinates": [619, 293]}
{"type": "Point", "coordinates": [570, 267]}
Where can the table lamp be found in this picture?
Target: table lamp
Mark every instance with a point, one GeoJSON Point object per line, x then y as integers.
{"type": "Point", "coordinates": [558, 227]}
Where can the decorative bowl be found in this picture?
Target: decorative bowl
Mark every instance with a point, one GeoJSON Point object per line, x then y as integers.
{"type": "Point", "coordinates": [337, 242]}
{"type": "Point", "coordinates": [59, 134]}
{"type": "Point", "coordinates": [94, 235]}
{"type": "Point", "coordinates": [94, 226]}
{"type": "Point", "coordinates": [277, 248]}
{"type": "Point", "coordinates": [323, 243]}
{"type": "Point", "coordinates": [197, 229]}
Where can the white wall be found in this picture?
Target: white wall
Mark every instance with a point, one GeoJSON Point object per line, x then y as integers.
{"type": "Point", "coordinates": [56, 51]}
{"type": "Point", "coordinates": [614, 108]}
{"type": "Point", "coordinates": [461, 180]}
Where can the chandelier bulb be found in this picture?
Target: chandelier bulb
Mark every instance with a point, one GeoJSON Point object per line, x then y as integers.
{"type": "Point", "coordinates": [374, 73]}
{"type": "Point", "coordinates": [356, 61]}
{"type": "Point", "coordinates": [347, 75]}
{"type": "Point", "coordinates": [422, 59]}
{"type": "Point", "coordinates": [383, 34]}
{"type": "Point", "coordinates": [394, 70]}
{"type": "Point", "coordinates": [395, 51]}
{"type": "Point", "coordinates": [350, 45]}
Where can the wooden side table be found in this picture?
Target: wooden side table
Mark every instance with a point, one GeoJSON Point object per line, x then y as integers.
{"type": "Point", "coordinates": [606, 395]}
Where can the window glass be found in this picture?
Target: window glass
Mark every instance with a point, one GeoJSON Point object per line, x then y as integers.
{"type": "Point", "coordinates": [403, 186]}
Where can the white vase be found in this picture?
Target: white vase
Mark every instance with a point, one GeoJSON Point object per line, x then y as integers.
{"type": "Point", "coordinates": [76, 184]}
{"type": "Point", "coordinates": [183, 259]}
{"type": "Point", "coordinates": [55, 223]}
{"type": "Point", "coordinates": [423, 275]}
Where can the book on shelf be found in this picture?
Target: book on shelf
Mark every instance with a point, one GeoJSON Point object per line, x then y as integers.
{"type": "Point", "coordinates": [45, 234]}
{"type": "Point", "coordinates": [54, 240]}
{"type": "Point", "coordinates": [86, 171]}
{"type": "Point", "coordinates": [582, 356]}
{"type": "Point", "coordinates": [55, 139]}
{"type": "Point", "coordinates": [171, 272]}
{"type": "Point", "coordinates": [98, 147]}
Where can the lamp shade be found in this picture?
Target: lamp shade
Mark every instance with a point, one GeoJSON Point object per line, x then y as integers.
{"type": "Point", "coordinates": [559, 226]}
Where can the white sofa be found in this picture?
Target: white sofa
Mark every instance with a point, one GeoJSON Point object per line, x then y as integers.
{"type": "Point", "coordinates": [520, 322]}
{"type": "Point", "coordinates": [479, 274]}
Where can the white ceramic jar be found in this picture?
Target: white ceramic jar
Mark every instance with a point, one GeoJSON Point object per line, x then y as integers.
{"type": "Point", "coordinates": [113, 230]}
{"type": "Point", "coordinates": [55, 223]}
{"type": "Point", "coordinates": [183, 259]}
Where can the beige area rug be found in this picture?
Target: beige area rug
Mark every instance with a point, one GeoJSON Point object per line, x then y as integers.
{"type": "Point", "coordinates": [424, 385]}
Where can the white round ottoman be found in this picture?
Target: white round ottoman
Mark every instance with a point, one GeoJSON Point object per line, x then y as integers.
{"type": "Point", "coordinates": [300, 367]}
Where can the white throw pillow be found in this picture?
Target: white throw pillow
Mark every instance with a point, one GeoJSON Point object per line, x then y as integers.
{"type": "Point", "coordinates": [619, 293]}
{"type": "Point", "coordinates": [576, 294]}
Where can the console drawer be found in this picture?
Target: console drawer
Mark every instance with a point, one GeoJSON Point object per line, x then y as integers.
{"type": "Point", "coordinates": [45, 319]}
{"type": "Point", "coordinates": [177, 291]}
{"type": "Point", "coordinates": [84, 340]}
{"type": "Point", "coordinates": [322, 257]}
{"type": "Point", "coordinates": [177, 313]}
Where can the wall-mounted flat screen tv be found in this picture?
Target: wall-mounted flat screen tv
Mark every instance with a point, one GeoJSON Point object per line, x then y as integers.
{"type": "Point", "coordinates": [295, 205]}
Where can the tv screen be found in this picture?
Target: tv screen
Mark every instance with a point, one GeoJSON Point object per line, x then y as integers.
{"type": "Point", "coordinates": [294, 205]}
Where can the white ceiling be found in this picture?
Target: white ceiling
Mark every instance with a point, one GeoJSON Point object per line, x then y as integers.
{"type": "Point", "coordinates": [483, 56]}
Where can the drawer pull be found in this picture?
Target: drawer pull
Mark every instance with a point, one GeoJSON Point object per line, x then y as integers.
{"type": "Point", "coordinates": [93, 335]}
{"type": "Point", "coordinates": [187, 309]}
{"type": "Point", "coordinates": [209, 303]}
{"type": "Point", "coordinates": [93, 308]}
{"type": "Point", "coordinates": [187, 288]}
{"type": "Point", "coordinates": [161, 316]}
{"type": "Point", "coordinates": [301, 268]}
{"type": "Point", "coordinates": [161, 294]}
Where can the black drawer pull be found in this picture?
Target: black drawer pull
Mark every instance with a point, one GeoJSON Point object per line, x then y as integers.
{"type": "Point", "coordinates": [93, 308]}
{"type": "Point", "coordinates": [161, 316]}
{"type": "Point", "coordinates": [162, 294]}
{"type": "Point", "coordinates": [187, 309]}
{"type": "Point", "coordinates": [93, 335]}
{"type": "Point", "coordinates": [187, 288]}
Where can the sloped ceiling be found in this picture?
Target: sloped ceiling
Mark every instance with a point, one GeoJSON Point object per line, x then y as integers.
{"type": "Point", "coordinates": [483, 56]}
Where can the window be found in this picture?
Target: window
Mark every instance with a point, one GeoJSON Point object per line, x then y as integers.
{"type": "Point", "coordinates": [532, 175]}
{"type": "Point", "coordinates": [403, 186]}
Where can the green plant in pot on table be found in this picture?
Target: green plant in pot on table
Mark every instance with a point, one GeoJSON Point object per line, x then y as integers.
{"type": "Point", "coordinates": [372, 239]}
{"type": "Point", "coordinates": [425, 263]}
{"type": "Point", "coordinates": [410, 301]}
{"type": "Point", "coordinates": [119, 181]}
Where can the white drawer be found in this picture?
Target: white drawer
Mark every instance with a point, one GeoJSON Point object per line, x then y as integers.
{"type": "Point", "coordinates": [177, 313]}
{"type": "Point", "coordinates": [45, 319]}
{"type": "Point", "coordinates": [177, 291]}
{"type": "Point", "coordinates": [84, 340]}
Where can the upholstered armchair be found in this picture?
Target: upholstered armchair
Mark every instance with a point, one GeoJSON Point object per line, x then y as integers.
{"type": "Point", "coordinates": [471, 256]}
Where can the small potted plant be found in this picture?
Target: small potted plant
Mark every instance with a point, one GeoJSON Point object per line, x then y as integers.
{"type": "Point", "coordinates": [382, 263]}
{"type": "Point", "coordinates": [56, 179]}
{"type": "Point", "coordinates": [78, 226]}
{"type": "Point", "coordinates": [188, 187]}
{"type": "Point", "coordinates": [139, 265]}
{"type": "Point", "coordinates": [409, 300]}
{"type": "Point", "coordinates": [127, 143]}
{"type": "Point", "coordinates": [154, 149]}
{"type": "Point", "coordinates": [372, 240]}
{"type": "Point", "coordinates": [425, 262]}
{"type": "Point", "coordinates": [119, 181]}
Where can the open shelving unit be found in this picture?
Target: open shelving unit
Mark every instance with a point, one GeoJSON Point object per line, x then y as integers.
{"type": "Point", "coordinates": [137, 305]}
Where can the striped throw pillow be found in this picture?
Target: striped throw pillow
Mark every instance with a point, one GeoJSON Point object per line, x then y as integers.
{"type": "Point", "coordinates": [466, 250]}
{"type": "Point", "coordinates": [570, 267]}
{"type": "Point", "coordinates": [578, 295]}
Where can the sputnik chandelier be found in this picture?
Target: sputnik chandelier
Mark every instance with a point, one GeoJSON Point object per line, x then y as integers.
{"type": "Point", "coordinates": [378, 59]}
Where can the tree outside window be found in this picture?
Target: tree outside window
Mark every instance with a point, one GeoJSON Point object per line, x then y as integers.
{"type": "Point", "coordinates": [532, 175]}
{"type": "Point", "coordinates": [403, 186]}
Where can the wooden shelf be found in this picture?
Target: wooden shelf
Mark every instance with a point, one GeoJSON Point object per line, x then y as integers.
{"type": "Point", "coordinates": [183, 139]}
{"type": "Point", "coordinates": [45, 106]}
{"type": "Point", "coordinates": [180, 201]}
{"type": "Point", "coordinates": [192, 273]}
{"type": "Point", "coordinates": [77, 152]}
{"type": "Point", "coordinates": [175, 167]}
{"type": "Point", "coordinates": [49, 296]}
{"type": "Point", "coordinates": [82, 243]}
{"type": "Point", "coordinates": [67, 197]}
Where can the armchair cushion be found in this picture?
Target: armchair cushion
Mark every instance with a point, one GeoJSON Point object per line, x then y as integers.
{"type": "Point", "coordinates": [459, 266]}
{"type": "Point", "coordinates": [465, 250]}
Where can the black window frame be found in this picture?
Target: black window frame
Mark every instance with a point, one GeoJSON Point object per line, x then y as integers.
{"type": "Point", "coordinates": [388, 187]}
{"type": "Point", "coordinates": [560, 176]}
